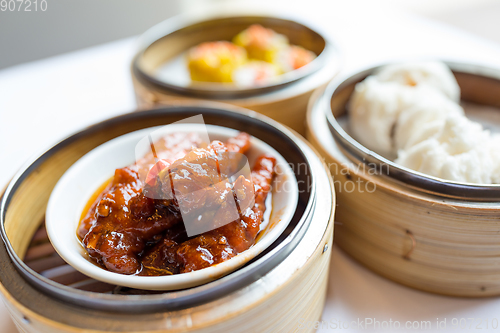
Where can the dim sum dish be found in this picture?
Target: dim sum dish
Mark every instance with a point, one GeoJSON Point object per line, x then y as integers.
{"type": "Point", "coordinates": [407, 118]}
{"type": "Point", "coordinates": [264, 62]}
{"type": "Point", "coordinates": [182, 214]}
{"type": "Point", "coordinates": [121, 203]}
{"type": "Point", "coordinates": [257, 56]}
{"type": "Point", "coordinates": [232, 57]}
{"type": "Point", "coordinates": [414, 151]}
{"type": "Point", "coordinates": [411, 111]}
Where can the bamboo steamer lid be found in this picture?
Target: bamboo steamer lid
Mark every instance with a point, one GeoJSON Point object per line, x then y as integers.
{"type": "Point", "coordinates": [285, 101]}
{"type": "Point", "coordinates": [285, 284]}
{"type": "Point", "coordinates": [434, 238]}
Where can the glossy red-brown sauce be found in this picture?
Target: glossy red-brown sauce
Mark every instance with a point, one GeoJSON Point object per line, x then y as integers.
{"type": "Point", "coordinates": [127, 230]}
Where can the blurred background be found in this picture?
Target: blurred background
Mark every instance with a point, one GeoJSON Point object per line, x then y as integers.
{"type": "Point", "coordinates": [69, 25]}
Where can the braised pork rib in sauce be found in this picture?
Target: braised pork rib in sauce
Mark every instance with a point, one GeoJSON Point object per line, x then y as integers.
{"type": "Point", "coordinates": [135, 225]}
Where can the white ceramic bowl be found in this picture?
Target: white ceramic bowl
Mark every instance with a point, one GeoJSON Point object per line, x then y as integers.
{"type": "Point", "coordinates": [80, 182]}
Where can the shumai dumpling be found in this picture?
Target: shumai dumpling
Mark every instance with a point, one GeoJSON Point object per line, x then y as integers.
{"type": "Point", "coordinates": [215, 61]}
{"type": "Point", "coordinates": [261, 43]}
{"type": "Point", "coordinates": [293, 57]}
{"type": "Point", "coordinates": [255, 73]}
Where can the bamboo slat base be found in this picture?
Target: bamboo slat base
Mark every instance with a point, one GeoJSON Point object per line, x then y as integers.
{"type": "Point", "coordinates": [298, 301]}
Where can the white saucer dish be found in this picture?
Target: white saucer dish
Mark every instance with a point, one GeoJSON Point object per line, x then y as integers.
{"type": "Point", "coordinates": [79, 183]}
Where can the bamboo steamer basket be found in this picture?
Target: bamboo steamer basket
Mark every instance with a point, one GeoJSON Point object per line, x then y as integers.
{"type": "Point", "coordinates": [428, 234]}
{"type": "Point", "coordinates": [285, 102]}
{"type": "Point", "coordinates": [272, 293]}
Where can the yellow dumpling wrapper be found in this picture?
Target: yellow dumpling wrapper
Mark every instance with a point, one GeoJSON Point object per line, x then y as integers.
{"type": "Point", "coordinates": [215, 61]}
{"type": "Point", "coordinates": [261, 43]}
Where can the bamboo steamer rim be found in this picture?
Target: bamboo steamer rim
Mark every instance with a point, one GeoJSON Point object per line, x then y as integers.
{"type": "Point", "coordinates": [415, 180]}
{"type": "Point", "coordinates": [30, 314]}
{"type": "Point", "coordinates": [320, 135]}
{"type": "Point", "coordinates": [216, 289]}
{"type": "Point", "coordinates": [435, 244]}
{"type": "Point", "coordinates": [24, 301]}
{"type": "Point", "coordinates": [438, 245]}
{"type": "Point", "coordinates": [322, 69]}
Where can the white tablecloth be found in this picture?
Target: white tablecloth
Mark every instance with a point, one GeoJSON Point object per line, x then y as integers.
{"type": "Point", "coordinates": [41, 102]}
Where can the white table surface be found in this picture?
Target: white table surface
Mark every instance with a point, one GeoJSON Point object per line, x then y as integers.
{"type": "Point", "coordinates": [42, 102]}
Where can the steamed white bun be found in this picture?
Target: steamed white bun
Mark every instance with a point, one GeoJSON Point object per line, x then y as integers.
{"type": "Point", "coordinates": [424, 119]}
{"type": "Point", "coordinates": [432, 73]}
{"type": "Point", "coordinates": [374, 110]}
{"type": "Point", "coordinates": [411, 111]}
{"type": "Point", "coordinates": [460, 151]}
